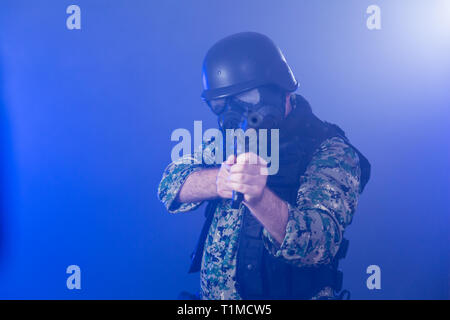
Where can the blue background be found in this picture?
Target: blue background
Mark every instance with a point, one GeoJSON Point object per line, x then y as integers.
{"type": "Point", "coordinates": [86, 117]}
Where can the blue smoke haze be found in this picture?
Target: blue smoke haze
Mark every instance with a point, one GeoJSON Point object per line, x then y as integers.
{"type": "Point", "coordinates": [86, 117]}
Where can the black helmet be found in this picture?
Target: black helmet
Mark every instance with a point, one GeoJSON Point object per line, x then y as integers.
{"type": "Point", "coordinates": [244, 61]}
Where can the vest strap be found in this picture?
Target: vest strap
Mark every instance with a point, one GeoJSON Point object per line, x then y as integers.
{"type": "Point", "coordinates": [197, 255]}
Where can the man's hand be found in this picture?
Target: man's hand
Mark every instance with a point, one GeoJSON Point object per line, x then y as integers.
{"type": "Point", "coordinates": [249, 176]}
{"type": "Point", "coordinates": [222, 182]}
{"type": "Point", "coordinates": [246, 174]}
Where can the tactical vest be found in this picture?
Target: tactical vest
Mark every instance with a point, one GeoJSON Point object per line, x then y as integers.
{"type": "Point", "coordinates": [260, 275]}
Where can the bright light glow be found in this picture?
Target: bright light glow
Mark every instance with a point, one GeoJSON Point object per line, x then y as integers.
{"type": "Point", "coordinates": [442, 10]}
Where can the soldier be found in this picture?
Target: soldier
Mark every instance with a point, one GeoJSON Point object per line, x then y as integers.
{"type": "Point", "coordinates": [284, 240]}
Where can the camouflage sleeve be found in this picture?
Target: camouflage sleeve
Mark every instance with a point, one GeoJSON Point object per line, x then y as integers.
{"type": "Point", "coordinates": [176, 174]}
{"type": "Point", "coordinates": [326, 200]}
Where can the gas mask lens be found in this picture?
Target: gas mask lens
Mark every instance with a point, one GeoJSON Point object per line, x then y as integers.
{"type": "Point", "coordinates": [217, 106]}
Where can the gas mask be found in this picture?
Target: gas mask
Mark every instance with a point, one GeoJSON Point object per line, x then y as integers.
{"type": "Point", "coordinates": [259, 108]}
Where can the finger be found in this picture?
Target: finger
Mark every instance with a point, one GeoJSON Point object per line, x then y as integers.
{"type": "Point", "coordinates": [223, 185]}
{"type": "Point", "coordinates": [241, 178]}
{"type": "Point", "coordinates": [264, 171]}
{"type": "Point", "coordinates": [252, 169]}
{"type": "Point", "coordinates": [228, 163]}
{"type": "Point", "coordinates": [223, 172]}
{"type": "Point", "coordinates": [248, 157]}
{"type": "Point", "coordinates": [251, 158]}
{"type": "Point", "coordinates": [242, 188]}
{"type": "Point", "coordinates": [231, 159]}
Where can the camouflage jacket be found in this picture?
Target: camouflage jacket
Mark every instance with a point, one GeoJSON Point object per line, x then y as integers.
{"type": "Point", "coordinates": [326, 201]}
